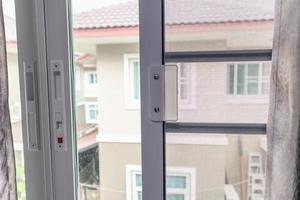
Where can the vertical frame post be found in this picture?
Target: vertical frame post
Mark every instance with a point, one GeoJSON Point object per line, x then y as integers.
{"type": "Point", "coordinates": [32, 48]}
{"type": "Point", "coordinates": [62, 129]}
{"type": "Point", "coordinates": [151, 54]}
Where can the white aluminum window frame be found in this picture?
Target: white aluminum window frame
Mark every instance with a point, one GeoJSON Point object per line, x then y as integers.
{"type": "Point", "coordinates": [52, 174]}
{"type": "Point", "coordinates": [261, 79]}
{"type": "Point", "coordinates": [188, 172]}
{"type": "Point", "coordinates": [88, 118]}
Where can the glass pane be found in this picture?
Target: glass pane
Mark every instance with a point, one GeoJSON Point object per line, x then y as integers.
{"type": "Point", "coordinates": [201, 25]}
{"type": "Point", "coordinates": [241, 79]}
{"type": "Point", "coordinates": [218, 167]}
{"type": "Point", "coordinates": [138, 180]}
{"type": "Point", "coordinates": [14, 94]}
{"type": "Point", "coordinates": [230, 77]}
{"type": "Point", "coordinates": [175, 197]}
{"type": "Point", "coordinates": [252, 79]}
{"type": "Point", "coordinates": [108, 99]}
{"type": "Point", "coordinates": [176, 182]}
{"type": "Point", "coordinates": [210, 100]}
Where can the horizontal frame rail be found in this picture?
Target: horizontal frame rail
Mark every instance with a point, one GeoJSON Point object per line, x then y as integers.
{"type": "Point", "coordinates": [216, 128]}
{"type": "Point", "coordinates": [219, 56]}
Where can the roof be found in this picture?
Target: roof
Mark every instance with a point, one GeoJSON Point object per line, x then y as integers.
{"type": "Point", "coordinates": [179, 12]}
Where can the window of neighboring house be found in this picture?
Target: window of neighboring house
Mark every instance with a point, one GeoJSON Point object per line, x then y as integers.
{"type": "Point", "coordinates": [92, 78]}
{"type": "Point", "coordinates": [180, 183]}
{"type": "Point", "coordinates": [248, 78]}
{"type": "Point", "coordinates": [92, 113]}
{"type": "Point", "coordinates": [91, 82]}
{"type": "Point", "coordinates": [132, 83]}
{"type": "Point", "coordinates": [15, 112]}
{"type": "Point", "coordinates": [185, 85]}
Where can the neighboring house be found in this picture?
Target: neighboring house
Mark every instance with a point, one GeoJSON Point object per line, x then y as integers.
{"type": "Point", "coordinates": [107, 92]}
{"type": "Point", "coordinates": [199, 166]}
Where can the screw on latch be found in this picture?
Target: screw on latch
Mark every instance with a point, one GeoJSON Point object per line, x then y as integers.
{"type": "Point", "coordinates": [156, 109]}
{"type": "Point", "coordinates": [156, 76]}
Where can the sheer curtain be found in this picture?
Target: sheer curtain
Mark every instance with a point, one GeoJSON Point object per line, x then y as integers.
{"type": "Point", "coordinates": [284, 118]}
{"type": "Point", "coordinates": [7, 161]}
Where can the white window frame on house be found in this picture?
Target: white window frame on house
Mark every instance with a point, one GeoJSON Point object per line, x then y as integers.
{"type": "Point", "coordinates": [247, 98]}
{"type": "Point", "coordinates": [188, 172]}
{"type": "Point", "coordinates": [261, 78]}
{"type": "Point", "coordinates": [88, 119]}
{"type": "Point", "coordinates": [90, 89]}
{"type": "Point", "coordinates": [190, 86]}
{"type": "Point", "coordinates": [131, 103]}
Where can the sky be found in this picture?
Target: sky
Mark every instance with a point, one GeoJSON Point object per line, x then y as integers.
{"type": "Point", "coordinates": [77, 5]}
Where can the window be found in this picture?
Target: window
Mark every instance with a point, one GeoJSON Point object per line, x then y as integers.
{"type": "Point", "coordinates": [186, 85]}
{"type": "Point", "coordinates": [132, 81]}
{"type": "Point", "coordinates": [92, 78]}
{"type": "Point", "coordinates": [92, 113]}
{"type": "Point", "coordinates": [180, 183]}
{"type": "Point", "coordinates": [90, 85]}
{"type": "Point", "coordinates": [248, 78]}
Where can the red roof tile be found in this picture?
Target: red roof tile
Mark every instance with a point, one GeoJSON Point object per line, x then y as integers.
{"type": "Point", "coordinates": [179, 12]}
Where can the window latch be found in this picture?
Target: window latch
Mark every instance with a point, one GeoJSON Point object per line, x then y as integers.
{"type": "Point", "coordinates": [163, 93]}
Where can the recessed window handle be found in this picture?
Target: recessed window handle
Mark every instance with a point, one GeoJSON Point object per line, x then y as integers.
{"type": "Point", "coordinates": [32, 106]}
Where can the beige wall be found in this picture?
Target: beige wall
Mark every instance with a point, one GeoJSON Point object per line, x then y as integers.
{"type": "Point", "coordinates": [113, 160]}
{"type": "Point", "coordinates": [208, 161]}
{"type": "Point", "coordinates": [114, 118]}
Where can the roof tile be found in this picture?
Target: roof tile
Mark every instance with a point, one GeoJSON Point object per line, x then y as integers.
{"type": "Point", "coordinates": [179, 12]}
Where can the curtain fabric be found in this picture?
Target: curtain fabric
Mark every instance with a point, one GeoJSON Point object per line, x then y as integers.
{"type": "Point", "coordinates": [7, 160]}
{"type": "Point", "coordinates": [283, 167]}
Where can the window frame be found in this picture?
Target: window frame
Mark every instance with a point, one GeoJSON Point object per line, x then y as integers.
{"type": "Point", "coordinates": [188, 172]}
{"type": "Point", "coordinates": [189, 103]}
{"type": "Point", "coordinates": [59, 168]}
{"type": "Point", "coordinates": [88, 119]}
{"type": "Point", "coordinates": [260, 80]}
{"type": "Point", "coordinates": [87, 74]}
{"type": "Point", "coordinates": [130, 102]}
{"type": "Point", "coordinates": [90, 89]}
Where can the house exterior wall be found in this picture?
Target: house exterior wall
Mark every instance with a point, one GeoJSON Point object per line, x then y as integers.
{"type": "Point", "coordinates": [115, 119]}
{"type": "Point", "coordinates": [120, 127]}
